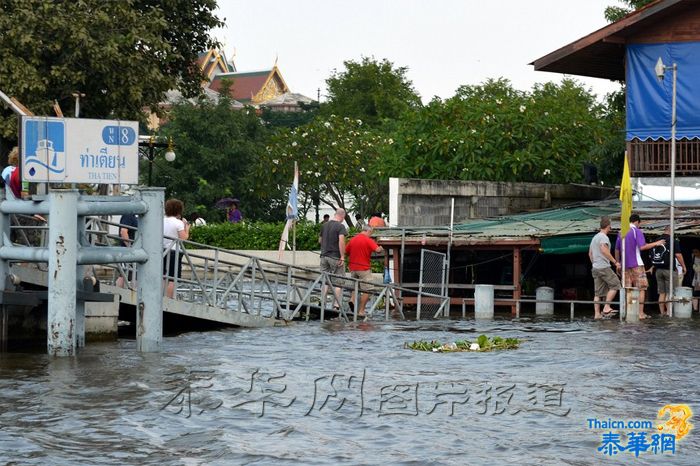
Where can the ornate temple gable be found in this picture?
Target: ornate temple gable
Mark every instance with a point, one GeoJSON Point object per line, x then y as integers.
{"type": "Point", "coordinates": [214, 62]}
{"type": "Point", "coordinates": [274, 86]}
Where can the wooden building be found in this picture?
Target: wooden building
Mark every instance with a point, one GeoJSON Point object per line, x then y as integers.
{"type": "Point", "coordinates": [627, 51]}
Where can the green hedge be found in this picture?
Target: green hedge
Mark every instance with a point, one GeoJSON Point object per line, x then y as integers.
{"type": "Point", "coordinates": [255, 235]}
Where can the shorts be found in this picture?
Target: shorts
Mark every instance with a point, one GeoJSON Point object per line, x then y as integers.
{"type": "Point", "coordinates": [662, 278]}
{"type": "Point", "coordinates": [332, 265]}
{"type": "Point", "coordinates": [170, 262]}
{"type": "Point", "coordinates": [636, 277]}
{"type": "Point", "coordinates": [605, 280]}
{"type": "Point", "coordinates": [365, 277]}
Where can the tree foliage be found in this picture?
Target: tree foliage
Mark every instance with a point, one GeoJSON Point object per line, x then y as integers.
{"type": "Point", "coordinates": [370, 91]}
{"type": "Point", "coordinates": [334, 155]}
{"type": "Point", "coordinates": [123, 55]}
{"type": "Point", "coordinates": [216, 147]}
{"type": "Point", "coordinates": [494, 132]}
{"type": "Point", "coordinates": [616, 13]}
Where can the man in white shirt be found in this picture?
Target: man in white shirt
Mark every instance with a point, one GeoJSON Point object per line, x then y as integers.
{"type": "Point", "coordinates": [605, 281]}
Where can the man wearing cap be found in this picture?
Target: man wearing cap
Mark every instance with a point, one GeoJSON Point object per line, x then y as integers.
{"type": "Point", "coordinates": [605, 281]}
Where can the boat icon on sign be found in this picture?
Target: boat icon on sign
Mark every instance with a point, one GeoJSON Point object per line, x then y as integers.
{"type": "Point", "coordinates": [46, 156]}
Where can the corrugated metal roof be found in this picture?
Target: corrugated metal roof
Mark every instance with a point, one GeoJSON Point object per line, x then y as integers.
{"type": "Point", "coordinates": [573, 220]}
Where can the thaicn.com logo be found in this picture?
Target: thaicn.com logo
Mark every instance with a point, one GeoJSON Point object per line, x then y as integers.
{"type": "Point", "coordinates": [637, 437]}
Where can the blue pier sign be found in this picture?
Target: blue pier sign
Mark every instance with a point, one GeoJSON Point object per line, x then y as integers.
{"type": "Point", "coordinates": [79, 150]}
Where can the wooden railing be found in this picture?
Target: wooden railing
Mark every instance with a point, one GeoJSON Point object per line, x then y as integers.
{"type": "Point", "coordinates": [653, 158]}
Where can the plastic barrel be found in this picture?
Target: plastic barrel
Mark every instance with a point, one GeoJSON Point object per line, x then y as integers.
{"type": "Point", "coordinates": [683, 308]}
{"type": "Point", "coordinates": [483, 302]}
{"type": "Point", "coordinates": [544, 293]}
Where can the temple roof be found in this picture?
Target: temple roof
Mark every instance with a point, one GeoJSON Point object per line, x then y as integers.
{"type": "Point", "coordinates": [246, 86]}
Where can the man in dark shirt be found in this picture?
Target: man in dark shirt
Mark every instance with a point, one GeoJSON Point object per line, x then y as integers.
{"type": "Point", "coordinates": [661, 260]}
{"type": "Point", "coordinates": [332, 240]}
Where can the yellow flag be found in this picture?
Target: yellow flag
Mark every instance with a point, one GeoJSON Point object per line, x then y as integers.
{"type": "Point", "coordinates": [625, 198]}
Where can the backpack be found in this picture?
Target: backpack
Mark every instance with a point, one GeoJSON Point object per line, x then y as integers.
{"type": "Point", "coordinates": [659, 255]}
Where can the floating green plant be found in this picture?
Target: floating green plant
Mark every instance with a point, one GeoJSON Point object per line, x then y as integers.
{"type": "Point", "coordinates": [482, 343]}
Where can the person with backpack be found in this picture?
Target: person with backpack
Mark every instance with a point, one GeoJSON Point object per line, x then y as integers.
{"type": "Point", "coordinates": [661, 260]}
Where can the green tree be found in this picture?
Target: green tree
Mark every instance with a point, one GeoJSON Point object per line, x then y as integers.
{"type": "Point", "coordinates": [370, 91]}
{"type": "Point", "coordinates": [616, 13]}
{"type": "Point", "coordinates": [335, 158]}
{"type": "Point", "coordinates": [123, 55]}
{"type": "Point", "coordinates": [216, 146]}
{"type": "Point", "coordinates": [494, 132]}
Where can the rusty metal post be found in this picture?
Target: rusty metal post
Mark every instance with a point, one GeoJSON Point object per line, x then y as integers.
{"type": "Point", "coordinates": [149, 307]}
{"type": "Point", "coordinates": [63, 257]}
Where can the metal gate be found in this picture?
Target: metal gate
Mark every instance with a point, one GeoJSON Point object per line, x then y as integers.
{"type": "Point", "coordinates": [432, 289]}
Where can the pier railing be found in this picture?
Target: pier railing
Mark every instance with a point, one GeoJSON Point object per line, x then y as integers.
{"type": "Point", "coordinates": [233, 280]}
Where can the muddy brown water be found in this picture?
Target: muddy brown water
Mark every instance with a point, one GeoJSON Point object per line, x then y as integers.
{"type": "Point", "coordinates": [335, 393]}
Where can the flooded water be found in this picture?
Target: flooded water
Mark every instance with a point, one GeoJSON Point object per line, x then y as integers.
{"type": "Point", "coordinates": [337, 393]}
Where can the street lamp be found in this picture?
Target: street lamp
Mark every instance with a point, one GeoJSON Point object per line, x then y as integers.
{"type": "Point", "coordinates": [148, 146]}
{"type": "Point", "coordinates": [660, 70]}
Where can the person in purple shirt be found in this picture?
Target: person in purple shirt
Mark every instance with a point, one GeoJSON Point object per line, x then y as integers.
{"type": "Point", "coordinates": [234, 215]}
{"type": "Point", "coordinates": [635, 273]}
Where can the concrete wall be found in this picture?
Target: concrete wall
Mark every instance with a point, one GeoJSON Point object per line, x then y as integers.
{"type": "Point", "coordinates": [427, 202]}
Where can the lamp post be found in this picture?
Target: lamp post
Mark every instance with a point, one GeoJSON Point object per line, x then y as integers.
{"type": "Point", "coordinates": [660, 70]}
{"type": "Point", "coordinates": [148, 146]}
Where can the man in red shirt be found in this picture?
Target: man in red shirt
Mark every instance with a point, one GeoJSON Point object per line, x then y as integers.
{"type": "Point", "coordinates": [359, 251]}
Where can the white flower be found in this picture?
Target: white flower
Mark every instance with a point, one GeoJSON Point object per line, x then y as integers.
{"type": "Point", "coordinates": [391, 141]}
{"type": "Point", "coordinates": [275, 161]}
{"type": "Point", "coordinates": [546, 172]}
{"type": "Point", "coordinates": [308, 172]}
{"type": "Point", "coordinates": [362, 169]}
{"type": "Point", "coordinates": [359, 122]}
{"type": "Point", "coordinates": [473, 131]}
{"type": "Point", "coordinates": [334, 143]}
{"type": "Point", "coordinates": [461, 141]}
{"type": "Point", "coordinates": [294, 143]}
{"type": "Point", "coordinates": [546, 113]}
{"type": "Point", "coordinates": [498, 101]}
{"type": "Point", "coordinates": [346, 119]}
{"type": "Point", "coordinates": [474, 347]}
{"type": "Point", "coordinates": [358, 152]}
{"type": "Point", "coordinates": [327, 124]}
{"type": "Point", "coordinates": [522, 108]}
{"type": "Point", "coordinates": [317, 174]}
{"type": "Point", "coordinates": [304, 135]}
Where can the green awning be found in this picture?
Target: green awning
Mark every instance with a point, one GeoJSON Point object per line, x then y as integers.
{"type": "Point", "coordinates": [572, 244]}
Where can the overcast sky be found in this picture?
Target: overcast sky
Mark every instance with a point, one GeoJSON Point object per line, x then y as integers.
{"type": "Point", "coordinates": [444, 43]}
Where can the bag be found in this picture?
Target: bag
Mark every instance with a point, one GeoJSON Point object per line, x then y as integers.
{"type": "Point", "coordinates": [659, 255]}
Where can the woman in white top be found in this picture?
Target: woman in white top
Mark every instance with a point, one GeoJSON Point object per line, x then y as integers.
{"type": "Point", "coordinates": [174, 226]}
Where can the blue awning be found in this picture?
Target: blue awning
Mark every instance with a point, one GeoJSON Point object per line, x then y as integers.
{"type": "Point", "coordinates": [649, 101]}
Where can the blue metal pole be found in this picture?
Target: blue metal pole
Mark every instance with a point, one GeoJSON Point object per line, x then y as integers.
{"type": "Point", "coordinates": [63, 252]}
{"type": "Point", "coordinates": [149, 308]}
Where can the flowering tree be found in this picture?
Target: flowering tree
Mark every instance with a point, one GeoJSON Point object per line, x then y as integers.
{"type": "Point", "coordinates": [336, 157]}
